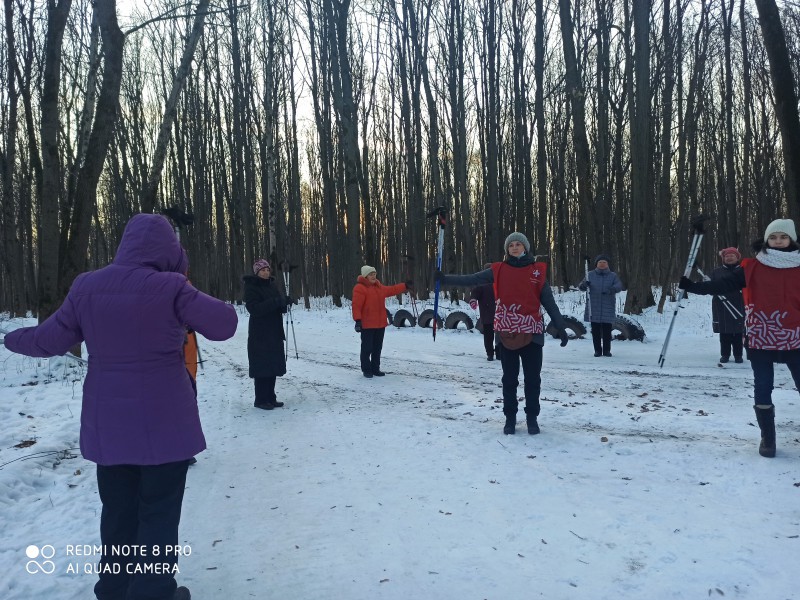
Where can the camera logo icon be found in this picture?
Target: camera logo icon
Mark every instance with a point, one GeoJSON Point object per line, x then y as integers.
{"type": "Point", "coordinates": [40, 559]}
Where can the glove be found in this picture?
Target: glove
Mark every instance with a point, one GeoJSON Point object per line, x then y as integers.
{"type": "Point", "coordinates": [358, 326]}
{"type": "Point", "coordinates": [410, 284]}
{"type": "Point", "coordinates": [473, 304]}
{"type": "Point", "coordinates": [564, 337]}
{"type": "Point", "coordinates": [438, 276]}
{"type": "Point", "coordinates": [607, 292]}
{"type": "Point", "coordinates": [293, 300]}
{"type": "Point", "coordinates": [583, 286]}
{"type": "Point", "coordinates": [685, 283]}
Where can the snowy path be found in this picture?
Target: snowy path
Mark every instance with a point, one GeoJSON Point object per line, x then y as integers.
{"type": "Point", "coordinates": [404, 487]}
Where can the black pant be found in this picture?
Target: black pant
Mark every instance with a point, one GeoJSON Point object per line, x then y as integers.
{"type": "Point", "coordinates": [141, 509]}
{"type": "Point", "coordinates": [265, 390]}
{"type": "Point", "coordinates": [531, 358]}
{"type": "Point", "coordinates": [488, 339]}
{"type": "Point", "coordinates": [728, 341]}
{"type": "Point", "coordinates": [601, 331]}
{"type": "Point", "coordinates": [371, 346]}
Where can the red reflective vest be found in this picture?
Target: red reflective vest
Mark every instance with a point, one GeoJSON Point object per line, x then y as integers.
{"type": "Point", "coordinates": [517, 291]}
{"type": "Point", "coordinates": [772, 303]}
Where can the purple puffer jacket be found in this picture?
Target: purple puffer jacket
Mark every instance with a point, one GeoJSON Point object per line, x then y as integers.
{"type": "Point", "coordinates": [139, 402]}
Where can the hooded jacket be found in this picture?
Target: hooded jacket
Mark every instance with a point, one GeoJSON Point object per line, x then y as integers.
{"type": "Point", "coordinates": [139, 402]}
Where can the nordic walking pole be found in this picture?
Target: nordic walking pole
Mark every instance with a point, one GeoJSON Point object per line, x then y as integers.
{"type": "Point", "coordinates": [699, 232]}
{"type": "Point", "coordinates": [588, 296]}
{"type": "Point", "coordinates": [441, 219]}
{"type": "Point", "coordinates": [732, 310]}
{"type": "Point", "coordinates": [289, 317]}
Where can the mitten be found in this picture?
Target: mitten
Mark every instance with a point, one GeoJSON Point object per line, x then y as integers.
{"type": "Point", "coordinates": [358, 326]}
{"type": "Point", "coordinates": [564, 337]}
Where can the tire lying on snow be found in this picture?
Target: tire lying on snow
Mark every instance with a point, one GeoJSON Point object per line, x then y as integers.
{"type": "Point", "coordinates": [403, 318]}
{"type": "Point", "coordinates": [628, 329]}
{"type": "Point", "coordinates": [456, 318]}
{"type": "Point", "coordinates": [426, 319]}
{"type": "Point", "coordinates": [574, 327]}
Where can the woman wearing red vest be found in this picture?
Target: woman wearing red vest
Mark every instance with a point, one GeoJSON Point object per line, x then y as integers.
{"type": "Point", "coordinates": [369, 313]}
{"type": "Point", "coordinates": [521, 291]}
{"type": "Point", "coordinates": [770, 283]}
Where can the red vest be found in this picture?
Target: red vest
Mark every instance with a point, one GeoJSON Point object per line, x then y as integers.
{"type": "Point", "coordinates": [517, 291]}
{"type": "Point", "coordinates": [772, 302]}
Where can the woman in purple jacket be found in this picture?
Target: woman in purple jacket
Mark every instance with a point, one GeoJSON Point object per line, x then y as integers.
{"type": "Point", "coordinates": [139, 419]}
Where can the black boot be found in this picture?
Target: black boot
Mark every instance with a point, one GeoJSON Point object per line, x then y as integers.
{"type": "Point", "coordinates": [182, 593]}
{"type": "Point", "coordinates": [533, 425]}
{"type": "Point", "coordinates": [511, 424]}
{"type": "Point", "coordinates": [765, 415]}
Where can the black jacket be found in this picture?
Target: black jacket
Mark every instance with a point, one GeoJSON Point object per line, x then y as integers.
{"type": "Point", "coordinates": [265, 333]}
{"type": "Point", "coordinates": [725, 320]}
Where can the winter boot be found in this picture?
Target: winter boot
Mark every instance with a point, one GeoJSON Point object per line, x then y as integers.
{"type": "Point", "coordinates": [182, 593]}
{"type": "Point", "coordinates": [724, 359]}
{"type": "Point", "coordinates": [765, 415]}
{"type": "Point", "coordinates": [264, 406]}
{"type": "Point", "coordinates": [511, 424]}
{"type": "Point", "coordinates": [738, 359]}
{"type": "Point", "coordinates": [378, 373]}
{"type": "Point", "coordinates": [533, 426]}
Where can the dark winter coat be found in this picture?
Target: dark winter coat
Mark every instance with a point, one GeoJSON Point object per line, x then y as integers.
{"type": "Point", "coordinates": [484, 294]}
{"type": "Point", "coordinates": [265, 335]}
{"type": "Point", "coordinates": [139, 402]}
{"type": "Point", "coordinates": [603, 286]}
{"type": "Point", "coordinates": [723, 320]}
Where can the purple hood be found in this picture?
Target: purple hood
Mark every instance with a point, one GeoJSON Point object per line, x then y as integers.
{"type": "Point", "coordinates": [139, 402]}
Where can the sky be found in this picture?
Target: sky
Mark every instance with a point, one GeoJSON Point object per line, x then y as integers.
{"type": "Point", "coordinates": [645, 482]}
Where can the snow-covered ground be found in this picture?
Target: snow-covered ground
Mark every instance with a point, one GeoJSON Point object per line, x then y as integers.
{"type": "Point", "coordinates": [644, 483]}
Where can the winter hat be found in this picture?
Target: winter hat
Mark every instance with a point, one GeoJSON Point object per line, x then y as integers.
{"type": "Point", "coordinates": [731, 250]}
{"type": "Point", "coordinates": [604, 257]}
{"type": "Point", "coordinates": [261, 263]}
{"type": "Point", "coordinates": [517, 237]}
{"type": "Point", "coordinates": [781, 226]}
{"type": "Point", "coordinates": [366, 270]}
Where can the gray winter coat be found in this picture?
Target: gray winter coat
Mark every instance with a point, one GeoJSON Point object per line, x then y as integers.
{"type": "Point", "coordinates": [603, 285]}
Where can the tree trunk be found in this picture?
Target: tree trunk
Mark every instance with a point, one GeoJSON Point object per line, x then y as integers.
{"type": "Point", "coordinates": [783, 84]}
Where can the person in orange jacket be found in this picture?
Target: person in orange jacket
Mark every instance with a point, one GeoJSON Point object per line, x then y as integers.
{"type": "Point", "coordinates": [369, 313]}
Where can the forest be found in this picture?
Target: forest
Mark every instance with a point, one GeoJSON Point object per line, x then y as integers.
{"type": "Point", "coordinates": [320, 133]}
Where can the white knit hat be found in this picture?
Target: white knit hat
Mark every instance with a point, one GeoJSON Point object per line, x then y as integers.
{"type": "Point", "coordinates": [781, 226]}
{"type": "Point", "coordinates": [366, 270]}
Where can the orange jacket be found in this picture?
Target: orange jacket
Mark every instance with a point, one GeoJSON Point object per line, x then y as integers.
{"type": "Point", "coordinates": [190, 353]}
{"type": "Point", "coordinates": [369, 304]}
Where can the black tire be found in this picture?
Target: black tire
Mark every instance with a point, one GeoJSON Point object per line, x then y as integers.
{"type": "Point", "coordinates": [628, 329]}
{"type": "Point", "coordinates": [479, 325]}
{"type": "Point", "coordinates": [574, 326]}
{"type": "Point", "coordinates": [426, 319]}
{"type": "Point", "coordinates": [456, 318]}
{"type": "Point", "coordinates": [403, 318]}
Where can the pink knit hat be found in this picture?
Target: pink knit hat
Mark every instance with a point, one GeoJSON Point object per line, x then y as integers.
{"type": "Point", "coordinates": [730, 250]}
{"type": "Point", "coordinates": [261, 263]}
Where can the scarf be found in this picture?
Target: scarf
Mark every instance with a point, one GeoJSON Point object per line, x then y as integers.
{"type": "Point", "coordinates": [779, 260]}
